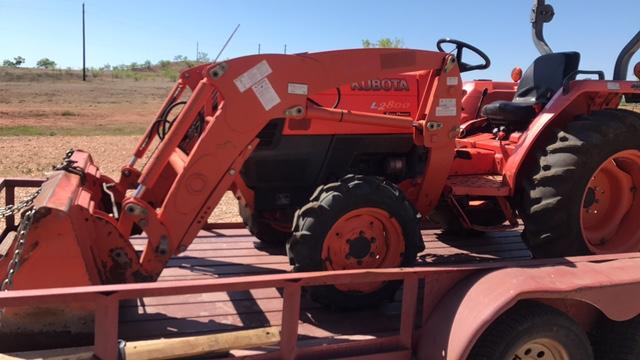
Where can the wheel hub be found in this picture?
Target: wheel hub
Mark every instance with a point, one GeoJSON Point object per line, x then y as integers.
{"type": "Point", "coordinates": [610, 205]}
{"type": "Point", "coordinates": [541, 349]}
{"type": "Point", "coordinates": [360, 247]}
{"type": "Point", "coordinates": [365, 238]}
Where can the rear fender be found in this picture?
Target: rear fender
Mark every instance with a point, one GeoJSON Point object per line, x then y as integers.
{"type": "Point", "coordinates": [582, 97]}
{"type": "Point", "coordinates": [462, 315]}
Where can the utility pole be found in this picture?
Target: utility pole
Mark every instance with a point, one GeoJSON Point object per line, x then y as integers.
{"type": "Point", "coordinates": [197, 51]}
{"type": "Point", "coordinates": [285, 48]}
{"type": "Point", "coordinates": [84, 50]}
{"type": "Point", "coordinates": [258, 49]}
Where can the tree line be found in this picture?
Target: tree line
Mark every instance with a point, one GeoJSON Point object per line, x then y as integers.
{"type": "Point", "coordinates": [202, 57]}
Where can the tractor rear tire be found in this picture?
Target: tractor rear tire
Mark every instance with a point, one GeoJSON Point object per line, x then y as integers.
{"type": "Point", "coordinates": [532, 330]}
{"type": "Point", "coordinates": [262, 229]}
{"type": "Point", "coordinates": [359, 222]}
{"type": "Point", "coordinates": [558, 192]}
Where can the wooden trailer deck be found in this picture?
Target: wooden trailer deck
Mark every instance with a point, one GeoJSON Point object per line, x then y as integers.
{"type": "Point", "coordinates": [234, 252]}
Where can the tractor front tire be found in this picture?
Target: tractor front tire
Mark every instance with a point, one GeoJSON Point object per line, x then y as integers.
{"type": "Point", "coordinates": [357, 223]}
{"type": "Point", "coordinates": [579, 195]}
{"type": "Point", "coordinates": [262, 229]}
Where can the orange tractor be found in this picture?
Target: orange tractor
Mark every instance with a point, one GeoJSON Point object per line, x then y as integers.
{"type": "Point", "coordinates": [385, 136]}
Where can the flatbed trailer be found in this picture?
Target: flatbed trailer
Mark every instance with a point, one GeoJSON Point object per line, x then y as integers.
{"type": "Point", "coordinates": [225, 284]}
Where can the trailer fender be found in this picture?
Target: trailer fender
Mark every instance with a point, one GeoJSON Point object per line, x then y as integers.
{"type": "Point", "coordinates": [462, 315]}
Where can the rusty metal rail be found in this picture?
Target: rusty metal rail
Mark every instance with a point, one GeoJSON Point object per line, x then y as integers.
{"type": "Point", "coordinates": [107, 299]}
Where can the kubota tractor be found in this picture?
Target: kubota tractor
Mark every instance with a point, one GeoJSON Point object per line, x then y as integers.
{"type": "Point", "coordinates": [386, 136]}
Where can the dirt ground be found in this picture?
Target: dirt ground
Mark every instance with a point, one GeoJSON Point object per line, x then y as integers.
{"type": "Point", "coordinates": [96, 107]}
{"type": "Point", "coordinates": [98, 116]}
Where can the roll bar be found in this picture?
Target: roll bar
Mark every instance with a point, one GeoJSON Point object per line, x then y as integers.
{"type": "Point", "coordinates": [541, 13]}
{"type": "Point", "coordinates": [622, 63]}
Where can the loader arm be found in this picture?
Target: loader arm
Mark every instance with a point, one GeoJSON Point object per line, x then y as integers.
{"type": "Point", "coordinates": [180, 185]}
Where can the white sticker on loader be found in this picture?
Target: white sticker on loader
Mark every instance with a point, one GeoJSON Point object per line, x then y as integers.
{"type": "Point", "coordinates": [613, 86]}
{"type": "Point", "coordinates": [265, 93]}
{"type": "Point", "coordinates": [298, 89]}
{"type": "Point", "coordinates": [452, 80]}
{"type": "Point", "coordinates": [446, 107]}
{"type": "Point", "coordinates": [252, 76]}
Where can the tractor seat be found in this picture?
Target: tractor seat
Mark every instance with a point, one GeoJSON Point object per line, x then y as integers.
{"type": "Point", "coordinates": [538, 85]}
{"type": "Point", "coordinates": [510, 111]}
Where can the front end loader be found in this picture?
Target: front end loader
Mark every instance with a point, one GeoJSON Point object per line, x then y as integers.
{"type": "Point", "coordinates": [77, 230]}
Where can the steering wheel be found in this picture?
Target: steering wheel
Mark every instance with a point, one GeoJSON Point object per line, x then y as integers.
{"type": "Point", "coordinates": [460, 46]}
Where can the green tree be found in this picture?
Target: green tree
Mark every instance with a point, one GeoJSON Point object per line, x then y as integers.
{"type": "Point", "coordinates": [180, 58]}
{"type": "Point", "coordinates": [46, 63]}
{"type": "Point", "coordinates": [17, 61]}
{"type": "Point", "coordinates": [383, 43]}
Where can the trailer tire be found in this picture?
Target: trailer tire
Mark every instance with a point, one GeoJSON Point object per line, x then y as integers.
{"type": "Point", "coordinates": [262, 229]}
{"type": "Point", "coordinates": [562, 207]}
{"type": "Point", "coordinates": [618, 340]}
{"type": "Point", "coordinates": [532, 329]}
{"type": "Point", "coordinates": [382, 210]}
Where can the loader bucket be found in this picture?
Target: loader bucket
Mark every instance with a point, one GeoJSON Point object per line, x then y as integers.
{"type": "Point", "coordinates": [62, 239]}
{"type": "Point", "coordinates": [60, 242]}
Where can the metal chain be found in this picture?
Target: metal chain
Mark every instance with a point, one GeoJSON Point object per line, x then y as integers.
{"type": "Point", "coordinates": [25, 224]}
{"type": "Point", "coordinates": [21, 234]}
{"type": "Point", "coordinates": [14, 209]}
{"type": "Point", "coordinates": [21, 238]}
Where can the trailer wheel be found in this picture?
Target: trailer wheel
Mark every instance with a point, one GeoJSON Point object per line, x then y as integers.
{"type": "Point", "coordinates": [581, 197]}
{"type": "Point", "coordinates": [262, 228]}
{"type": "Point", "coordinates": [531, 331]}
{"type": "Point", "coordinates": [618, 340]}
{"type": "Point", "coordinates": [357, 223]}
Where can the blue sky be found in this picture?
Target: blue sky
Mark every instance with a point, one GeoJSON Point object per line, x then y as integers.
{"type": "Point", "coordinates": [127, 31]}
